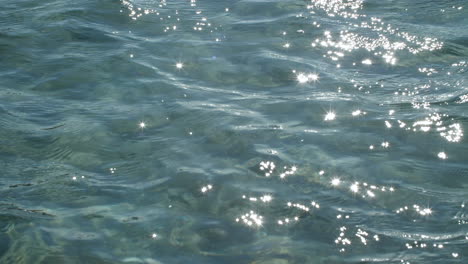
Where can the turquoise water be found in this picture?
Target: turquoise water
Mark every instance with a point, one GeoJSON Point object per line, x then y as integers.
{"type": "Point", "coordinates": [235, 131]}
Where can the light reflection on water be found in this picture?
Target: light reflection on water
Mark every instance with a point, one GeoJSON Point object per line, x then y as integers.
{"type": "Point", "coordinates": [323, 131]}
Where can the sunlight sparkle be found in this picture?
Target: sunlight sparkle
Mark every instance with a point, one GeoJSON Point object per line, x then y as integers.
{"type": "Point", "coordinates": [335, 181]}
{"type": "Point", "coordinates": [330, 116]}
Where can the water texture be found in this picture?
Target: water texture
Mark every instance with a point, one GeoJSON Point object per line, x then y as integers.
{"type": "Point", "coordinates": [241, 131]}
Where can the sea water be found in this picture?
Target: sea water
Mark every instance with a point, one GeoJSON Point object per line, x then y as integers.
{"type": "Point", "coordinates": [240, 131]}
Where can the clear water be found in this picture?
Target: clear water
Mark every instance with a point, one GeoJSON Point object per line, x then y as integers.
{"type": "Point", "coordinates": [274, 131]}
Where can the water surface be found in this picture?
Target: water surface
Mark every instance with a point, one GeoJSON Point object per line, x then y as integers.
{"type": "Point", "coordinates": [245, 131]}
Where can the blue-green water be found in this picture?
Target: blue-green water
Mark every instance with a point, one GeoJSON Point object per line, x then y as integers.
{"type": "Point", "coordinates": [275, 131]}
